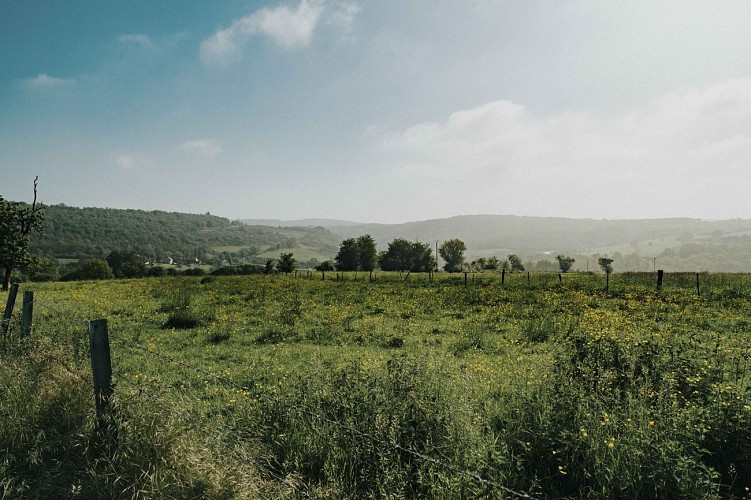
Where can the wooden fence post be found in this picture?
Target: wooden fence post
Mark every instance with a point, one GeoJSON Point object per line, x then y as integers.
{"type": "Point", "coordinates": [698, 290]}
{"type": "Point", "coordinates": [607, 281]}
{"type": "Point", "coordinates": [9, 307]}
{"type": "Point", "coordinates": [660, 274]}
{"type": "Point", "coordinates": [101, 369]}
{"type": "Point", "coordinates": [503, 277]}
{"type": "Point", "coordinates": [323, 275]}
{"type": "Point", "coordinates": [465, 279]}
{"type": "Point", "coordinates": [27, 312]}
{"type": "Point", "coordinates": [560, 279]}
{"type": "Point", "coordinates": [529, 279]}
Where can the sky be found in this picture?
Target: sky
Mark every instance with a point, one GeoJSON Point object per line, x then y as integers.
{"type": "Point", "coordinates": [379, 110]}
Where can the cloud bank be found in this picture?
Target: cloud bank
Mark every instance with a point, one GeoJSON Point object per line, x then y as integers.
{"type": "Point", "coordinates": [687, 152]}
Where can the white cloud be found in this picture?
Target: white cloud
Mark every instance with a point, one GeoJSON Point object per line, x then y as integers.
{"type": "Point", "coordinates": [685, 153]}
{"type": "Point", "coordinates": [288, 28]}
{"type": "Point", "coordinates": [45, 81]}
{"type": "Point", "coordinates": [204, 147]}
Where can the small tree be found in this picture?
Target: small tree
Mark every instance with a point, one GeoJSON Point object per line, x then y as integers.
{"type": "Point", "coordinates": [368, 256]}
{"type": "Point", "coordinates": [348, 257]}
{"type": "Point", "coordinates": [326, 265]}
{"type": "Point", "coordinates": [565, 263]}
{"type": "Point", "coordinates": [492, 263]}
{"type": "Point", "coordinates": [515, 262]}
{"type": "Point", "coordinates": [92, 269]}
{"type": "Point", "coordinates": [126, 264]}
{"type": "Point", "coordinates": [17, 221]}
{"type": "Point", "coordinates": [605, 264]}
{"type": "Point", "coordinates": [452, 251]}
{"type": "Point", "coordinates": [286, 263]}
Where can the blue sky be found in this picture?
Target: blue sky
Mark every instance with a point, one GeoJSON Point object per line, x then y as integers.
{"type": "Point", "coordinates": [379, 111]}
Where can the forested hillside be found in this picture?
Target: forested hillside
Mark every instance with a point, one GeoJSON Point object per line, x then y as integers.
{"type": "Point", "coordinates": [77, 233]}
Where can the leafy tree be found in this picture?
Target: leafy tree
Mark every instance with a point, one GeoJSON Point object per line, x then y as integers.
{"type": "Point", "coordinates": [403, 255]}
{"type": "Point", "coordinates": [368, 254]}
{"type": "Point", "coordinates": [286, 263]}
{"type": "Point", "coordinates": [478, 264]}
{"type": "Point", "coordinates": [90, 269]}
{"type": "Point", "coordinates": [42, 269]}
{"type": "Point", "coordinates": [422, 257]}
{"type": "Point", "coordinates": [492, 263]}
{"type": "Point", "coordinates": [348, 257]}
{"type": "Point", "coordinates": [605, 264]}
{"type": "Point", "coordinates": [326, 265]}
{"type": "Point", "coordinates": [126, 264]}
{"type": "Point", "coordinates": [269, 267]}
{"type": "Point", "coordinates": [397, 257]}
{"type": "Point", "coordinates": [452, 251]}
{"type": "Point", "coordinates": [515, 262]}
{"type": "Point", "coordinates": [565, 262]}
{"type": "Point", "coordinates": [17, 221]}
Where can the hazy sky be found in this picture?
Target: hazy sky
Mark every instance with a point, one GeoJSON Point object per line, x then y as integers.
{"type": "Point", "coordinates": [380, 110]}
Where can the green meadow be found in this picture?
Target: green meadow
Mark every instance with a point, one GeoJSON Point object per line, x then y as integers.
{"type": "Point", "coordinates": [274, 386]}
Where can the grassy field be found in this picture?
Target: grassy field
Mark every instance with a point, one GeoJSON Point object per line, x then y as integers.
{"type": "Point", "coordinates": [274, 386]}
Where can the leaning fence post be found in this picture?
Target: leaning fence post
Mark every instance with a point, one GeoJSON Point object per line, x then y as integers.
{"type": "Point", "coordinates": [9, 307]}
{"type": "Point", "coordinates": [660, 274]}
{"type": "Point", "coordinates": [101, 369]}
{"type": "Point", "coordinates": [27, 312]}
{"type": "Point", "coordinates": [698, 290]}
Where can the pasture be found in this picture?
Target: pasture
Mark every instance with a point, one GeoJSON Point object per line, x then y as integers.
{"type": "Point", "coordinates": [294, 387]}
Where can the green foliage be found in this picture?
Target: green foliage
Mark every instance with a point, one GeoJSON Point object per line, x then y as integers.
{"type": "Point", "coordinates": [452, 251]}
{"type": "Point", "coordinates": [286, 263]}
{"type": "Point", "coordinates": [515, 262]}
{"type": "Point", "coordinates": [565, 263]}
{"type": "Point", "coordinates": [357, 254]}
{"type": "Point", "coordinates": [90, 269]}
{"type": "Point", "coordinates": [41, 269]}
{"type": "Point", "coordinates": [368, 255]}
{"type": "Point", "coordinates": [126, 264]}
{"type": "Point", "coordinates": [605, 264]}
{"type": "Point", "coordinates": [326, 265]}
{"type": "Point", "coordinates": [403, 255]}
{"type": "Point", "coordinates": [81, 233]}
{"type": "Point", "coordinates": [17, 222]}
{"type": "Point", "coordinates": [348, 257]}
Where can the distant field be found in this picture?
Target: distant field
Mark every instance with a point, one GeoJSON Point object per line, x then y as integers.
{"type": "Point", "coordinates": [406, 387]}
{"type": "Point", "coordinates": [301, 254]}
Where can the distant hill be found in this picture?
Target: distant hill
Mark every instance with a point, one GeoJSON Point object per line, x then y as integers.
{"type": "Point", "coordinates": [680, 243]}
{"type": "Point", "coordinates": [299, 222]}
{"type": "Point", "coordinates": [75, 233]}
{"type": "Point", "coordinates": [636, 245]}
